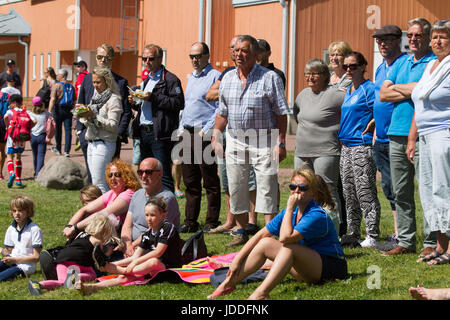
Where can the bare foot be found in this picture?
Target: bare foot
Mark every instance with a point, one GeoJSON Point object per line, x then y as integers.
{"type": "Point", "coordinates": [421, 293]}
{"type": "Point", "coordinates": [213, 263]}
{"type": "Point", "coordinates": [85, 288]}
{"type": "Point", "coordinates": [258, 296]}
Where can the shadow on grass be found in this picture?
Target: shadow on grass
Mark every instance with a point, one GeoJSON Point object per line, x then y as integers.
{"type": "Point", "coordinates": [355, 255]}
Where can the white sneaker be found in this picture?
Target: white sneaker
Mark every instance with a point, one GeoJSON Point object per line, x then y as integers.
{"type": "Point", "coordinates": [369, 242]}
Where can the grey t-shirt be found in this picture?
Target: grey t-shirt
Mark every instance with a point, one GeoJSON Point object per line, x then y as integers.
{"type": "Point", "coordinates": [318, 122]}
{"type": "Point", "coordinates": [137, 205]}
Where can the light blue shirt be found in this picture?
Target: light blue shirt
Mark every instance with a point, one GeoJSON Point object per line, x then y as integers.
{"type": "Point", "coordinates": [197, 111]}
{"type": "Point", "coordinates": [406, 72]}
{"type": "Point", "coordinates": [146, 109]}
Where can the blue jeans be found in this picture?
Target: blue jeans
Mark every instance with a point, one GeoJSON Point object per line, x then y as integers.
{"type": "Point", "coordinates": [160, 150]}
{"type": "Point", "coordinates": [9, 272]}
{"type": "Point", "coordinates": [39, 148]}
{"type": "Point", "coordinates": [63, 115]}
{"type": "Point", "coordinates": [381, 158]}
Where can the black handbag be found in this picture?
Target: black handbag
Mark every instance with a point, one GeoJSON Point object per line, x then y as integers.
{"type": "Point", "coordinates": [194, 248]}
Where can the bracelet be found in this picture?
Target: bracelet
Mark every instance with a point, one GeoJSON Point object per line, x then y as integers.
{"type": "Point", "coordinates": [75, 227]}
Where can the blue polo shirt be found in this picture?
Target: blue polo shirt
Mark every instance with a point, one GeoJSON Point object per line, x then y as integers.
{"type": "Point", "coordinates": [316, 228]}
{"type": "Point", "coordinates": [406, 72]}
{"type": "Point", "coordinates": [382, 111]}
{"type": "Point", "coordinates": [356, 113]}
{"type": "Point", "coordinates": [146, 110]}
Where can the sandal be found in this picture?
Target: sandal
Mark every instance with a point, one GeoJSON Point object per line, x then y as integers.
{"type": "Point", "coordinates": [179, 194]}
{"type": "Point", "coordinates": [430, 256]}
{"type": "Point", "coordinates": [441, 260]}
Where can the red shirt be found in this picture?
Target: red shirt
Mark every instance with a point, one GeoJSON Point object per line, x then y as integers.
{"type": "Point", "coordinates": [79, 80]}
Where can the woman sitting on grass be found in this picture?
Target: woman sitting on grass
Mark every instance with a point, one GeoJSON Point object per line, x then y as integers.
{"type": "Point", "coordinates": [160, 248]}
{"type": "Point", "coordinates": [308, 247]}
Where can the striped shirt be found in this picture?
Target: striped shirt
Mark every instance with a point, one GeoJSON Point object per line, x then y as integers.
{"type": "Point", "coordinates": [255, 106]}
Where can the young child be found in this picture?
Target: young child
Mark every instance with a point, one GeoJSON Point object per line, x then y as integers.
{"type": "Point", "coordinates": [23, 241]}
{"type": "Point", "coordinates": [160, 248]}
{"type": "Point", "coordinates": [74, 261]}
{"type": "Point", "coordinates": [38, 133]}
{"type": "Point", "coordinates": [14, 147]}
{"type": "Point", "coordinates": [326, 201]}
{"type": "Point", "coordinates": [89, 193]}
{"type": "Point", "coordinates": [10, 89]}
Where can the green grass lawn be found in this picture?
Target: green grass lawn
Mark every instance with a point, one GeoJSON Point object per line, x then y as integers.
{"type": "Point", "coordinates": [396, 274]}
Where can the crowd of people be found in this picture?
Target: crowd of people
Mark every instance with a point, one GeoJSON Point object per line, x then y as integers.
{"type": "Point", "coordinates": [227, 131]}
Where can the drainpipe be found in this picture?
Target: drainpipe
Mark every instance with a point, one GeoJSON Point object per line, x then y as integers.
{"type": "Point", "coordinates": [77, 26]}
{"type": "Point", "coordinates": [292, 52]}
{"type": "Point", "coordinates": [284, 35]}
{"type": "Point", "coordinates": [25, 78]}
{"type": "Point", "coordinates": [208, 22]}
{"type": "Point", "coordinates": [200, 20]}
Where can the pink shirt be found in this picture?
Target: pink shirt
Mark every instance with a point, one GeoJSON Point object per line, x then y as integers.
{"type": "Point", "coordinates": [110, 196]}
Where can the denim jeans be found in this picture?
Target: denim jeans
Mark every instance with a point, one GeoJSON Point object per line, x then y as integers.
{"type": "Point", "coordinates": [99, 154]}
{"type": "Point", "coordinates": [161, 150]}
{"type": "Point", "coordinates": [381, 158]}
{"type": "Point", "coordinates": [38, 148]}
{"type": "Point", "coordinates": [63, 115]}
{"type": "Point", "coordinates": [9, 272]}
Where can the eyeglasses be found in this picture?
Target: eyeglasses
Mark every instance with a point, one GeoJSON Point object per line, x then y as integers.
{"type": "Point", "coordinates": [385, 40]}
{"type": "Point", "coordinates": [417, 35]}
{"type": "Point", "coordinates": [115, 174]}
{"type": "Point", "coordinates": [100, 57]}
{"type": "Point", "coordinates": [147, 172]}
{"type": "Point", "coordinates": [145, 59]}
{"type": "Point", "coordinates": [312, 74]}
{"type": "Point", "coordinates": [302, 187]}
{"type": "Point", "coordinates": [195, 56]}
{"type": "Point", "coordinates": [352, 66]}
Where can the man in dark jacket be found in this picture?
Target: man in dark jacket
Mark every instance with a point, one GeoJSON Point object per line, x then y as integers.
{"type": "Point", "coordinates": [104, 57]}
{"type": "Point", "coordinates": [158, 111]}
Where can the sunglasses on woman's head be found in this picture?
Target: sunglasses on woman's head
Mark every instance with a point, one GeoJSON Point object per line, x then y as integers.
{"type": "Point", "coordinates": [301, 187]}
{"type": "Point", "coordinates": [115, 174]}
{"type": "Point", "coordinates": [352, 66]}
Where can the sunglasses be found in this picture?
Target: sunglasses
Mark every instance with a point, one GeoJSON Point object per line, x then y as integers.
{"type": "Point", "coordinates": [312, 74]}
{"type": "Point", "coordinates": [195, 56]}
{"type": "Point", "coordinates": [147, 172]}
{"type": "Point", "coordinates": [145, 59]}
{"type": "Point", "coordinates": [352, 66]}
{"type": "Point", "coordinates": [100, 57]}
{"type": "Point", "coordinates": [302, 187]}
{"type": "Point", "coordinates": [115, 174]}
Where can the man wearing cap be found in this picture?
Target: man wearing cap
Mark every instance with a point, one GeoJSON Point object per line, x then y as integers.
{"type": "Point", "coordinates": [397, 88]}
{"type": "Point", "coordinates": [11, 66]}
{"type": "Point", "coordinates": [81, 67]}
{"type": "Point", "coordinates": [389, 39]}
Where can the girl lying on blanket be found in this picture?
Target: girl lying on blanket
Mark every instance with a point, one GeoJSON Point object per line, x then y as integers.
{"type": "Point", "coordinates": [159, 249]}
{"type": "Point", "coordinates": [74, 261]}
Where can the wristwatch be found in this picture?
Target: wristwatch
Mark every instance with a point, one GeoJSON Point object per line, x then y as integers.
{"type": "Point", "coordinates": [282, 145]}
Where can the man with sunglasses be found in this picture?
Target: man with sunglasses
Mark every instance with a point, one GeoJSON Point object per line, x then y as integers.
{"type": "Point", "coordinates": [397, 88]}
{"type": "Point", "coordinates": [104, 58]}
{"type": "Point", "coordinates": [389, 40]}
{"type": "Point", "coordinates": [158, 112]}
{"type": "Point", "coordinates": [150, 174]}
{"type": "Point", "coordinates": [196, 122]}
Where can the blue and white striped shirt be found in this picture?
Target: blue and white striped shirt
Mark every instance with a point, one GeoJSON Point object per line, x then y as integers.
{"type": "Point", "coordinates": [255, 106]}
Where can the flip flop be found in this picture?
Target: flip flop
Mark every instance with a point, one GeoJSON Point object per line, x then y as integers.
{"type": "Point", "coordinates": [218, 292]}
{"type": "Point", "coordinates": [179, 194]}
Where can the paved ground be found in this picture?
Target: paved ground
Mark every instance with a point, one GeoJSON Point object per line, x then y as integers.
{"type": "Point", "coordinates": [126, 154]}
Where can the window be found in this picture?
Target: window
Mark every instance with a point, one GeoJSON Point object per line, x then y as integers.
{"type": "Point", "coordinates": [41, 69]}
{"type": "Point", "coordinates": [49, 59]}
{"type": "Point", "coordinates": [241, 3]}
{"type": "Point", "coordinates": [34, 67]}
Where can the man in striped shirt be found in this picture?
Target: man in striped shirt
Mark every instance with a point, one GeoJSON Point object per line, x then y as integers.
{"type": "Point", "coordinates": [253, 105]}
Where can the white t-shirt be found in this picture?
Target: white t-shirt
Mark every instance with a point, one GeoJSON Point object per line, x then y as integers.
{"type": "Point", "coordinates": [41, 119]}
{"type": "Point", "coordinates": [23, 243]}
{"type": "Point", "coordinates": [11, 90]}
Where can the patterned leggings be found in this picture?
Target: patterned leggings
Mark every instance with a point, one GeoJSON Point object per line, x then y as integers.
{"type": "Point", "coordinates": [358, 174]}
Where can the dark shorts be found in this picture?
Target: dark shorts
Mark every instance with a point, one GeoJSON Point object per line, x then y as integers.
{"type": "Point", "coordinates": [2, 131]}
{"type": "Point", "coordinates": [333, 268]}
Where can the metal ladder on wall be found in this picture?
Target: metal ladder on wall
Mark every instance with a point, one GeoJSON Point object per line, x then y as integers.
{"type": "Point", "coordinates": [129, 25]}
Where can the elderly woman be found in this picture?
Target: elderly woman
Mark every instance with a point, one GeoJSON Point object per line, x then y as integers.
{"type": "Point", "coordinates": [319, 114]}
{"type": "Point", "coordinates": [357, 167]}
{"type": "Point", "coordinates": [431, 97]}
{"type": "Point", "coordinates": [102, 122]}
{"type": "Point", "coordinates": [337, 51]}
{"type": "Point", "coordinates": [308, 247]}
{"type": "Point", "coordinates": [114, 203]}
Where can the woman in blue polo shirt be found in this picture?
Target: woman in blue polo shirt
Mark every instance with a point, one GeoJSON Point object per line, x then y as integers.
{"type": "Point", "coordinates": [357, 167]}
{"type": "Point", "coordinates": [308, 247]}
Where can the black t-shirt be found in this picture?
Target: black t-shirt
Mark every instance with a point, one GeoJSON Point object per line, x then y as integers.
{"type": "Point", "coordinates": [168, 235]}
{"type": "Point", "coordinates": [17, 81]}
{"type": "Point", "coordinates": [78, 251]}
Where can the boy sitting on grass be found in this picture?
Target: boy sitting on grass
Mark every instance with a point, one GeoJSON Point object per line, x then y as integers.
{"type": "Point", "coordinates": [159, 249]}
